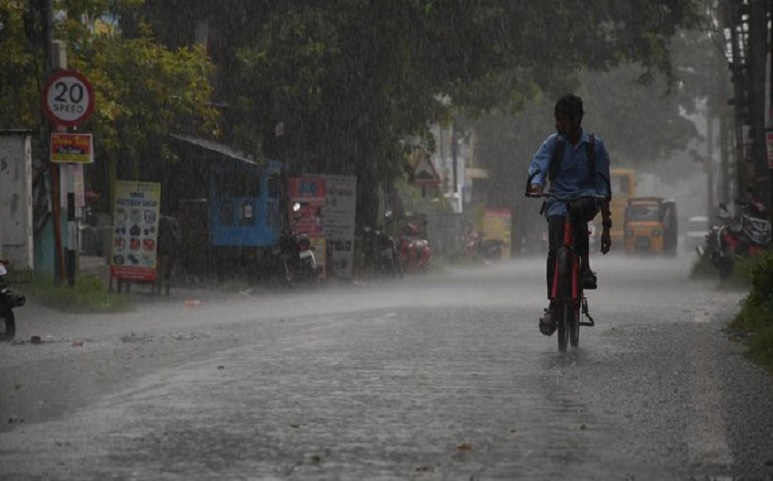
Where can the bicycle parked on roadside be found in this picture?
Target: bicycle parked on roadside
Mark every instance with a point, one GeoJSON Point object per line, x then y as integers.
{"type": "Point", "coordinates": [567, 294]}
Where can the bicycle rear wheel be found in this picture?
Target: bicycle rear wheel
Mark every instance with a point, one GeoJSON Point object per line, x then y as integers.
{"type": "Point", "coordinates": [574, 323]}
{"type": "Point", "coordinates": [563, 306]}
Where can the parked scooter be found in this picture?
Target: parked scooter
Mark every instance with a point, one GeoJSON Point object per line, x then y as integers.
{"type": "Point", "coordinates": [747, 236]}
{"type": "Point", "coordinates": [9, 300]}
{"type": "Point", "coordinates": [296, 254]}
{"type": "Point", "coordinates": [381, 249]}
{"type": "Point", "coordinates": [415, 251]}
{"type": "Point", "coordinates": [480, 244]}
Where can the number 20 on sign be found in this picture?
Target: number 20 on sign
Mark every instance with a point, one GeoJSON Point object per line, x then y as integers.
{"type": "Point", "coordinates": [68, 98]}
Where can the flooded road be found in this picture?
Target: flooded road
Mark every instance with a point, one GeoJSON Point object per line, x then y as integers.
{"type": "Point", "coordinates": [440, 376]}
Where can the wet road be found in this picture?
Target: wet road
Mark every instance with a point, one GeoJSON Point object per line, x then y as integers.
{"type": "Point", "coordinates": [444, 376]}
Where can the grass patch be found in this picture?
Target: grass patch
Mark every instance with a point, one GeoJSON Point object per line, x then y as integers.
{"type": "Point", "coordinates": [743, 271]}
{"type": "Point", "coordinates": [88, 295]}
{"type": "Point", "coordinates": [755, 319]}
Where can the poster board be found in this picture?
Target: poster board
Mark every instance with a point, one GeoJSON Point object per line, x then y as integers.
{"type": "Point", "coordinates": [309, 192]}
{"type": "Point", "coordinates": [339, 214]}
{"type": "Point", "coordinates": [135, 230]}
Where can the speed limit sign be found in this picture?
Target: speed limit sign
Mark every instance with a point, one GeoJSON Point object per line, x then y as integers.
{"type": "Point", "coordinates": [68, 98]}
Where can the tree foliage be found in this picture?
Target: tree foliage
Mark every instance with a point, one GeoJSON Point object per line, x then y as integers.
{"type": "Point", "coordinates": [641, 118]}
{"type": "Point", "coordinates": [143, 91]}
{"type": "Point", "coordinates": [351, 80]}
{"type": "Point", "coordinates": [21, 67]}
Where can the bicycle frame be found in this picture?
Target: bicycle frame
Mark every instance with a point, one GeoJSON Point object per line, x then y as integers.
{"type": "Point", "coordinates": [569, 244]}
{"type": "Point", "coordinates": [569, 307]}
{"type": "Point", "coordinates": [570, 304]}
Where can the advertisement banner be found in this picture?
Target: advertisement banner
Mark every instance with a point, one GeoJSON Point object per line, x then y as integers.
{"type": "Point", "coordinates": [135, 230]}
{"type": "Point", "coordinates": [339, 214]}
{"type": "Point", "coordinates": [309, 192]}
{"type": "Point", "coordinates": [72, 148]}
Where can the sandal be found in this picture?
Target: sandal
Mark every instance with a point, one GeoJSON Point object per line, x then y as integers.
{"type": "Point", "coordinates": [547, 325]}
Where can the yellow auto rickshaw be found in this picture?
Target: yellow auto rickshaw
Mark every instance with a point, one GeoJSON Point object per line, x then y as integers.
{"type": "Point", "coordinates": [650, 226]}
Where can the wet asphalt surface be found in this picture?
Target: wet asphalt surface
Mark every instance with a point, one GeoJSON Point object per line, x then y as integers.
{"type": "Point", "coordinates": [439, 376]}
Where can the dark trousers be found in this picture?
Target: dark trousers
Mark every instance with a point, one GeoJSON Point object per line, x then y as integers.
{"type": "Point", "coordinates": [582, 211]}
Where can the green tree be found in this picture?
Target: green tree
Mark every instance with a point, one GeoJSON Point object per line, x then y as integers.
{"type": "Point", "coordinates": [351, 80]}
{"type": "Point", "coordinates": [143, 91]}
{"type": "Point", "coordinates": [21, 67]}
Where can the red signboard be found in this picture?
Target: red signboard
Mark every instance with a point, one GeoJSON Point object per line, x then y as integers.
{"type": "Point", "coordinates": [309, 193]}
{"type": "Point", "coordinates": [72, 148]}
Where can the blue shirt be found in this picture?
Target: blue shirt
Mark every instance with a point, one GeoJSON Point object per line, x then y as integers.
{"type": "Point", "coordinates": [573, 178]}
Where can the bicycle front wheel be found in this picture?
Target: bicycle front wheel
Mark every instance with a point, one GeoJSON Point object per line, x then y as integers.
{"type": "Point", "coordinates": [563, 307]}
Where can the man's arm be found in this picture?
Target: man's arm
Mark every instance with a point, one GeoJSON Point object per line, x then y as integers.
{"type": "Point", "coordinates": [606, 219]}
{"type": "Point", "coordinates": [606, 189]}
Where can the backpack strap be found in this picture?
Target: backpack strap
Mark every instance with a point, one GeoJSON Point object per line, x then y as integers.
{"type": "Point", "coordinates": [555, 159]}
{"type": "Point", "coordinates": [590, 150]}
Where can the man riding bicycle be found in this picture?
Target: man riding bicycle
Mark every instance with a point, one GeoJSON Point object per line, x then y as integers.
{"type": "Point", "coordinates": [576, 163]}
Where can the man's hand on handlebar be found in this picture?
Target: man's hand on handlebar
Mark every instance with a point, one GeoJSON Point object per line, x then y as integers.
{"type": "Point", "coordinates": [535, 190]}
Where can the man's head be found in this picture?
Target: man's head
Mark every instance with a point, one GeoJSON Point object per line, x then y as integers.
{"type": "Point", "coordinates": [568, 114]}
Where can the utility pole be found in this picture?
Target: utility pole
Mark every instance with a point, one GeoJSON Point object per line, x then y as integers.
{"type": "Point", "coordinates": [709, 162]}
{"type": "Point", "coordinates": [739, 97]}
{"type": "Point", "coordinates": [724, 145]}
{"type": "Point", "coordinates": [48, 49]}
{"type": "Point", "coordinates": [758, 39]}
{"type": "Point", "coordinates": [723, 110]}
{"type": "Point", "coordinates": [769, 116]}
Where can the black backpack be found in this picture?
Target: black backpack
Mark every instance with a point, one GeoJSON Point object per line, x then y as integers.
{"type": "Point", "coordinates": [558, 154]}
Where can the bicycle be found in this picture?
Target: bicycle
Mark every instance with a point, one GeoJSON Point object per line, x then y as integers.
{"type": "Point", "coordinates": [567, 295]}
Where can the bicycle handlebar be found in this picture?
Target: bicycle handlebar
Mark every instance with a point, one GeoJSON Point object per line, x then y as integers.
{"type": "Point", "coordinates": [567, 198]}
{"type": "Point", "coordinates": [560, 198]}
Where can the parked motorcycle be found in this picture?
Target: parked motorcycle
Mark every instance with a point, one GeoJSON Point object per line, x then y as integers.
{"type": "Point", "coordinates": [746, 236]}
{"type": "Point", "coordinates": [297, 259]}
{"type": "Point", "coordinates": [381, 249]}
{"type": "Point", "coordinates": [9, 300]}
{"type": "Point", "coordinates": [490, 249]}
{"type": "Point", "coordinates": [415, 251]}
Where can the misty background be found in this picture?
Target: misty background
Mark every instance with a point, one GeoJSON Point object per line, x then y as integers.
{"type": "Point", "coordinates": [656, 128]}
